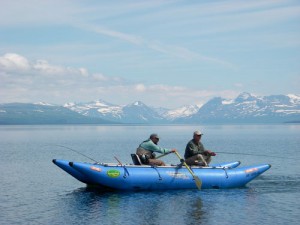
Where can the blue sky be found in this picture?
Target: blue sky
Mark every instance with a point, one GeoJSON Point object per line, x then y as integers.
{"type": "Point", "coordinates": [163, 53]}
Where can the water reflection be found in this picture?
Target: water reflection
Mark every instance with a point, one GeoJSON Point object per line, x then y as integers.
{"type": "Point", "coordinates": [187, 207]}
{"type": "Point", "coordinates": [196, 214]}
{"type": "Point", "coordinates": [175, 207]}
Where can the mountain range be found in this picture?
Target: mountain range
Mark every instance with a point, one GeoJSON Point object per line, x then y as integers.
{"type": "Point", "coordinates": [246, 108]}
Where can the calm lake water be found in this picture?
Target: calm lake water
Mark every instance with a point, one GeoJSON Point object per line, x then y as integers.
{"type": "Point", "coordinates": [35, 191]}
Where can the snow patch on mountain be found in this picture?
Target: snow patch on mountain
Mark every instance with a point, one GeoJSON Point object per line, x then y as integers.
{"type": "Point", "coordinates": [227, 102]}
{"type": "Point", "coordinates": [43, 104]}
{"type": "Point", "coordinates": [294, 99]}
{"type": "Point", "coordinates": [184, 111]}
{"type": "Point", "coordinates": [98, 108]}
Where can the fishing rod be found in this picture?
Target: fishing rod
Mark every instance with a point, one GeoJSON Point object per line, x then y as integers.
{"type": "Point", "coordinates": [73, 150]}
{"type": "Point", "coordinates": [236, 153]}
{"type": "Point", "coordinates": [118, 160]}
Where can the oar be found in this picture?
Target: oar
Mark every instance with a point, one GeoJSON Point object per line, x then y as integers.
{"type": "Point", "coordinates": [163, 155]}
{"type": "Point", "coordinates": [197, 180]}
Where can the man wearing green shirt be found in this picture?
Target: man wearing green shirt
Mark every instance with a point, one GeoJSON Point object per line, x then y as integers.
{"type": "Point", "coordinates": [146, 151]}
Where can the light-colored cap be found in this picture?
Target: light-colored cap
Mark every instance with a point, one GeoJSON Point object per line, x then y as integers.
{"type": "Point", "coordinates": [198, 132]}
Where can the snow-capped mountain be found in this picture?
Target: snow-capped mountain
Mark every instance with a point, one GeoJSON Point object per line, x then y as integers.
{"type": "Point", "coordinates": [42, 113]}
{"type": "Point", "coordinates": [136, 112]}
{"type": "Point", "coordinates": [98, 109]}
{"type": "Point", "coordinates": [182, 112]}
{"type": "Point", "coordinates": [247, 108]}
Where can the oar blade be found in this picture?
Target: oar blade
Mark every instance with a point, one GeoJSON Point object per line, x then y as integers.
{"type": "Point", "coordinates": [198, 182]}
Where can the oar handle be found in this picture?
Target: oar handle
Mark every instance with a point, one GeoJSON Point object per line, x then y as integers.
{"type": "Point", "coordinates": [163, 155]}
{"type": "Point", "coordinates": [184, 163]}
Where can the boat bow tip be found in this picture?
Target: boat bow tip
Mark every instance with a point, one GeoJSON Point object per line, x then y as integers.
{"type": "Point", "coordinates": [265, 167]}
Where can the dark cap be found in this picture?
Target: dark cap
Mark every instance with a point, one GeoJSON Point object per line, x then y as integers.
{"type": "Point", "coordinates": [154, 136]}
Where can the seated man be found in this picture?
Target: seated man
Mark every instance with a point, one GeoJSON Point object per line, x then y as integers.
{"type": "Point", "coordinates": [195, 153]}
{"type": "Point", "coordinates": [147, 148]}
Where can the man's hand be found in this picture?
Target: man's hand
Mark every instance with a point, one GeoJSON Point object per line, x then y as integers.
{"type": "Point", "coordinates": [173, 150]}
{"type": "Point", "coordinates": [209, 153]}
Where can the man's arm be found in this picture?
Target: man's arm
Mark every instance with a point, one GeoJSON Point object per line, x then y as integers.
{"type": "Point", "coordinates": [155, 148]}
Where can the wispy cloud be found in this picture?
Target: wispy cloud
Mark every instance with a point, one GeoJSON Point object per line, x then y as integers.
{"type": "Point", "coordinates": [170, 50]}
{"type": "Point", "coordinates": [112, 33]}
{"type": "Point", "coordinates": [70, 16]}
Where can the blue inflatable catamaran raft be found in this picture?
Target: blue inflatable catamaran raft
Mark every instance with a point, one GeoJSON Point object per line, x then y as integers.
{"type": "Point", "coordinates": [143, 177]}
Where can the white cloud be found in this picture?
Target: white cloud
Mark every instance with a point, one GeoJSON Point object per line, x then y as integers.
{"type": "Point", "coordinates": [84, 72]}
{"type": "Point", "coordinates": [14, 62]}
{"type": "Point", "coordinates": [43, 67]}
{"type": "Point", "coordinates": [140, 87]}
{"type": "Point", "coordinates": [26, 81]}
{"type": "Point", "coordinates": [100, 77]}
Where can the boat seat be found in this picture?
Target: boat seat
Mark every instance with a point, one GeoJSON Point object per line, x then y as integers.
{"type": "Point", "coordinates": [136, 159]}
